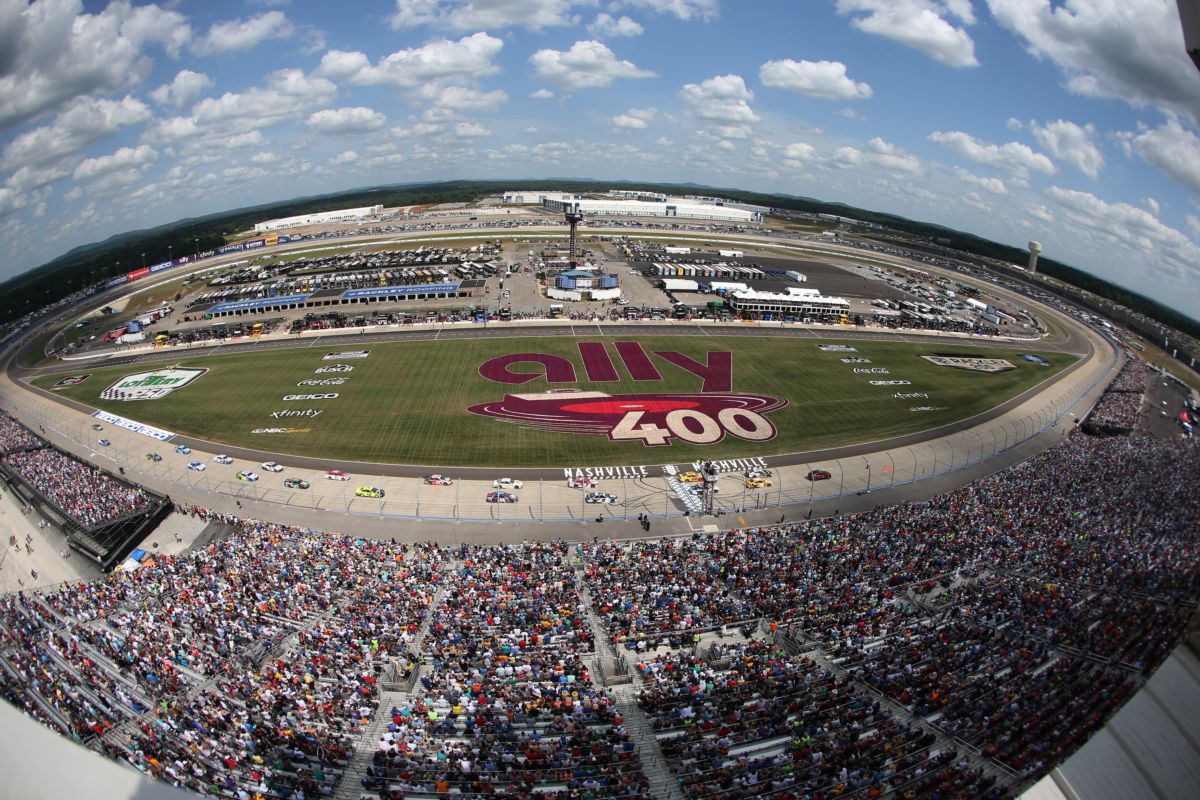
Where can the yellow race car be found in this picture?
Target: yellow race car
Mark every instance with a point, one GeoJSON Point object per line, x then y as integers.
{"type": "Point", "coordinates": [758, 483]}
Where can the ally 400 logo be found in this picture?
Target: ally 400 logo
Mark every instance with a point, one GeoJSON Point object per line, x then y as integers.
{"type": "Point", "coordinates": [702, 418]}
{"type": "Point", "coordinates": [151, 385]}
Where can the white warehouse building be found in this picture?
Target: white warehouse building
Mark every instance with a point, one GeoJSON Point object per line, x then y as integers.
{"type": "Point", "coordinates": [342, 215]}
{"type": "Point", "coordinates": [648, 204]}
{"type": "Point", "coordinates": [798, 302]}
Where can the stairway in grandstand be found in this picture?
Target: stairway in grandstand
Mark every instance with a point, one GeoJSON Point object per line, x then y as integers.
{"type": "Point", "coordinates": [610, 661]}
{"type": "Point", "coordinates": [350, 787]}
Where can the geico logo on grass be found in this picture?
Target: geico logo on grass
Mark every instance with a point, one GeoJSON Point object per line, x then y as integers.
{"type": "Point", "coordinates": [330, 396]}
{"type": "Point", "coordinates": [325, 382]}
{"type": "Point", "coordinates": [890, 383]}
{"type": "Point", "coordinates": [871, 371]}
{"type": "Point", "coordinates": [334, 368]}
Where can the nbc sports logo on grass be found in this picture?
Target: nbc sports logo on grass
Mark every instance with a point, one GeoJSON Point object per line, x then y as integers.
{"type": "Point", "coordinates": [151, 385]}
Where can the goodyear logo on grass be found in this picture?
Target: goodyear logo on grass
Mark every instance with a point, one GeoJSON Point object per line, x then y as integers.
{"type": "Point", "coordinates": [151, 385]}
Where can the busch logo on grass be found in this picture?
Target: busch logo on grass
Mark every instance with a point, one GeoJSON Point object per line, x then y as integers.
{"type": "Point", "coordinates": [704, 417]}
{"type": "Point", "coordinates": [151, 385]}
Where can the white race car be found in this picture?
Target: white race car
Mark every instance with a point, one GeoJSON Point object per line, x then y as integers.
{"type": "Point", "coordinates": [271, 466]}
{"type": "Point", "coordinates": [507, 483]}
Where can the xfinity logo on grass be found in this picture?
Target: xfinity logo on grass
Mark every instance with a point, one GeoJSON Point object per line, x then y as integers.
{"type": "Point", "coordinates": [151, 385]}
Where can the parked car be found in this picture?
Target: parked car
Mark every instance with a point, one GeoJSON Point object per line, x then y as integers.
{"type": "Point", "coordinates": [196, 466]}
{"type": "Point", "coordinates": [501, 497]}
{"type": "Point", "coordinates": [507, 483]}
{"type": "Point", "coordinates": [601, 497]}
{"type": "Point", "coordinates": [439, 480]}
{"type": "Point", "coordinates": [247, 475]}
{"type": "Point", "coordinates": [271, 466]}
{"type": "Point", "coordinates": [295, 483]}
{"type": "Point", "coordinates": [222, 459]}
{"type": "Point", "coordinates": [819, 475]}
{"type": "Point", "coordinates": [368, 491]}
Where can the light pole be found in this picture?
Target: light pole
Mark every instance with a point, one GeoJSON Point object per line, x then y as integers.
{"type": "Point", "coordinates": [196, 248]}
{"type": "Point", "coordinates": [868, 463]}
{"type": "Point", "coordinates": [143, 260]}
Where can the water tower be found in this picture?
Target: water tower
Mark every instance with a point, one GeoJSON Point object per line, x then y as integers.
{"type": "Point", "coordinates": [1034, 249]}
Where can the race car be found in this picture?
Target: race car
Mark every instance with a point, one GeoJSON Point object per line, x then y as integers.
{"type": "Point", "coordinates": [183, 450]}
{"type": "Point", "coordinates": [507, 483]}
{"type": "Point", "coordinates": [222, 459]}
{"type": "Point", "coordinates": [271, 466]}
{"type": "Point", "coordinates": [700, 489]}
{"type": "Point", "coordinates": [368, 491]}
{"type": "Point", "coordinates": [295, 483]}
{"type": "Point", "coordinates": [105, 442]}
{"type": "Point", "coordinates": [758, 472]}
{"type": "Point", "coordinates": [501, 497]}
{"type": "Point", "coordinates": [337, 475]}
{"type": "Point", "coordinates": [690, 477]}
{"type": "Point", "coordinates": [439, 480]}
{"type": "Point", "coordinates": [155, 457]}
{"type": "Point", "coordinates": [97, 427]}
{"type": "Point", "coordinates": [196, 466]}
{"type": "Point", "coordinates": [581, 482]}
{"type": "Point", "coordinates": [246, 475]}
{"type": "Point", "coordinates": [819, 475]}
{"type": "Point", "coordinates": [757, 483]}
{"type": "Point", "coordinates": [601, 497]}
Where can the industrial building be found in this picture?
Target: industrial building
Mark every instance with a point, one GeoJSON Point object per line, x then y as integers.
{"type": "Point", "coordinates": [796, 302]}
{"type": "Point", "coordinates": [319, 218]}
{"type": "Point", "coordinates": [584, 284]}
{"type": "Point", "coordinates": [647, 204]}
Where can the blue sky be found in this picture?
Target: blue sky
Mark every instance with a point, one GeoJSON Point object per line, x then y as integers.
{"type": "Point", "coordinates": [1073, 122]}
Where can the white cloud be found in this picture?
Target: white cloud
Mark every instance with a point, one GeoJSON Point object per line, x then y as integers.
{"type": "Point", "coordinates": [635, 118]}
{"type": "Point", "coordinates": [606, 26]}
{"type": "Point", "coordinates": [264, 158]}
{"type": "Point", "coordinates": [847, 157]}
{"type": "Point", "coordinates": [663, 141]}
{"type": "Point", "coordinates": [124, 158]}
{"type": "Point", "coordinates": [114, 181]}
{"type": "Point", "coordinates": [462, 98]}
{"type": "Point", "coordinates": [723, 99]}
{"type": "Point", "coordinates": [1071, 143]}
{"type": "Point", "coordinates": [1194, 223]}
{"type": "Point", "coordinates": [825, 80]}
{"type": "Point", "coordinates": [1013, 157]}
{"type": "Point", "coordinates": [1040, 212]}
{"type": "Point", "coordinates": [798, 155]}
{"type": "Point", "coordinates": [345, 121]}
{"type": "Point", "coordinates": [1174, 150]}
{"type": "Point", "coordinates": [920, 24]}
{"type": "Point", "coordinates": [184, 91]}
{"type": "Point", "coordinates": [1131, 50]}
{"type": "Point", "coordinates": [1014, 124]}
{"type": "Point", "coordinates": [1151, 204]}
{"type": "Point", "coordinates": [849, 113]}
{"type": "Point", "coordinates": [344, 157]}
{"type": "Point", "coordinates": [542, 94]}
{"type": "Point", "coordinates": [705, 10]}
{"type": "Point", "coordinates": [587, 64]}
{"type": "Point", "coordinates": [52, 52]}
{"type": "Point", "coordinates": [470, 130]}
{"type": "Point", "coordinates": [1158, 247]}
{"type": "Point", "coordinates": [236, 35]}
{"type": "Point", "coordinates": [890, 157]}
{"type": "Point", "coordinates": [288, 94]}
{"type": "Point", "coordinates": [993, 185]}
{"type": "Point", "coordinates": [474, 15]}
{"type": "Point", "coordinates": [438, 61]}
{"type": "Point", "coordinates": [83, 121]}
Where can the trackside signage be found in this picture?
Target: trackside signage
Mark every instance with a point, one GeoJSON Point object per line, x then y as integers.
{"type": "Point", "coordinates": [135, 426]}
{"type": "Point", "coordinates": [346, 355]}
{"type": "Point", "coordinates": [151, 385]}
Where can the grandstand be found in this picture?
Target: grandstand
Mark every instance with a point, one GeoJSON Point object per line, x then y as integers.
{"type": "Point", "coordinates": [959, 647]}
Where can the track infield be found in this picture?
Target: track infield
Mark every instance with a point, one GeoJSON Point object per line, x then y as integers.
{"type": "Point", "coordinates": [653, 399]}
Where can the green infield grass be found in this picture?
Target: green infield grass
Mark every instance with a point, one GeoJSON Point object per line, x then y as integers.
{"type": "Point", "coordinates": [407, 402]}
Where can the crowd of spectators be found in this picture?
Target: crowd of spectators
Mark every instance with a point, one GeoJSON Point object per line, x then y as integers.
{"type": "Point", "coordinates": [247, 667]}
{"type": "Point", "coordinates": [14, 436]}
{"type": "Point", "coordinates": [750, 720]}
{"type": "Point", "coordinates": [509, 707]}
{"type": "Point", "coordinates": [84, 493]}
{"type": "Point", "coordinates": [954, 647]}
{"type": "Point", "coordinates": [1117, 410]}
{"type": "Point", "coordinates": [1017, 612]}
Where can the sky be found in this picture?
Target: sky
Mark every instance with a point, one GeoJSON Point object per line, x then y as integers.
{"type": "Point", "coordinates": [1072, 122]}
